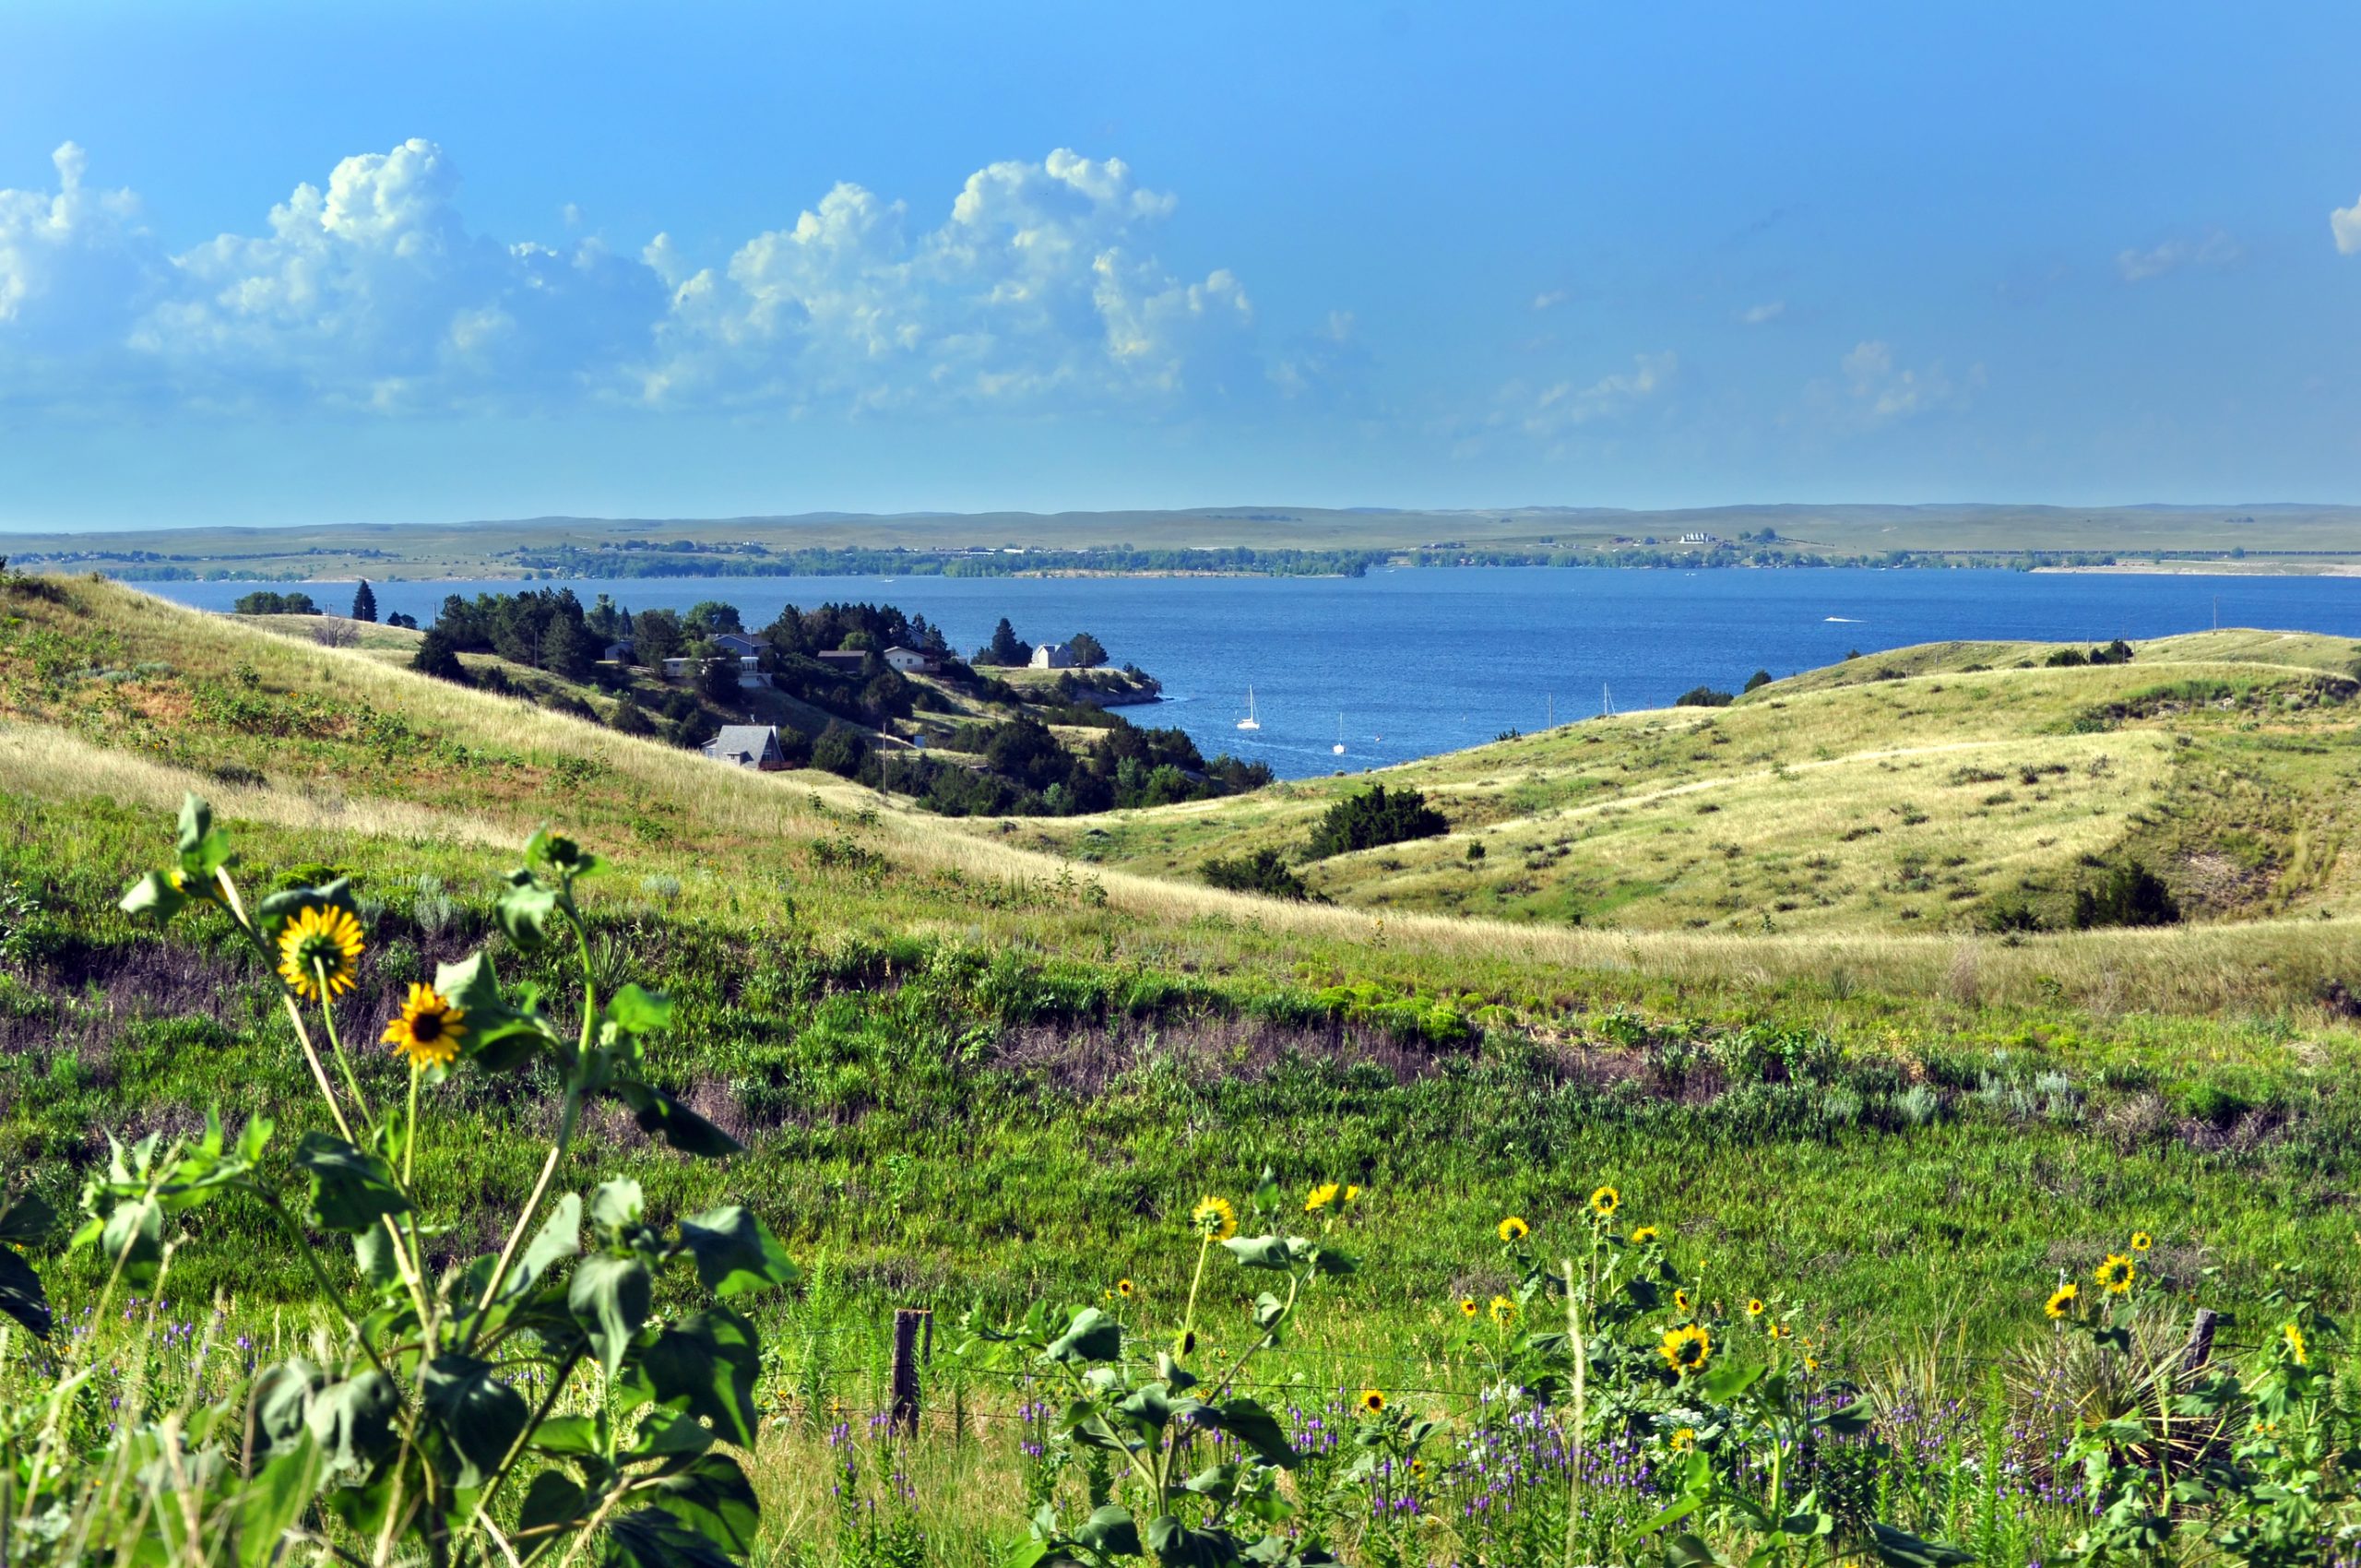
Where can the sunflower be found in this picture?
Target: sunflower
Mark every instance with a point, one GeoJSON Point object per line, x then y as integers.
{"type": "Point", "coordinates": [1419, 1467]}
{"type": "Point", "coordinates": [1214, 1220]}
{"type": "Point", "coordinates": [1467, 1307]}
{"type": "Point", "coordinates": [1684, 1440]}
{"type": "Point", "coordinates": [1503, 1311]}
{"type": "Point", "coordinates": [1352, 1193]}
{"type": "Point", "coordinates": [1603, 1201]}
{"type": "Point", "coordinates": [2061, 1300]}
{"type": "Point", "coordinates": [1780, 1330]}
{"type": "Point", "coordinates": [2142, 1241]}
{"type": "Point", "coordinates": [1125, 1288]}
{"type": "Point", "coordinates": [1513, 1229]}
{"type": "Point", "coordinates": [429, 1028]}
{"type": "Point", "coordinates": [1322, 1196]}
{"type": "Point", "coordinates": [1643, 1235]}
{"type": "Point", "coordinates": [1372, 1401]}
{"type": "Point", "coordinates": [1686, 1349]}
{"type": "Point", "coordinates": [2293, 1336]}
{"type": "Point", "coordinates": [320, 940]}
{"type": "Point", "coordinates": [1681, 1303]}
{"type": "Point", "coordinates": [2116, 1274]}
{"type": "Point", "coordinates": [1811, 1363]}
{"type": "Point", "coordinates": [1754, 1307]}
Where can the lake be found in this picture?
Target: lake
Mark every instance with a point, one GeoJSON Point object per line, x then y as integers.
{"type": "Point", "coordinates": [1405, 663]}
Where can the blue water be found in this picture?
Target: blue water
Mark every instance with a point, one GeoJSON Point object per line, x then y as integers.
{"type": "Point", "coordinates": [1423, 661]}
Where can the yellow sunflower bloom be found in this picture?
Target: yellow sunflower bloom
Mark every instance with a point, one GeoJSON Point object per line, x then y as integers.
{"type": "Point", "coordinates": [1681, 1303]}
{"type": "Point", "coordinates": [1352, 1193]}
{"type": "Point", "coordinates": [1603, 1203]}
{"type": "Point", "coordinates": [319, 941]}
{"type": "Point", "coordinates": [2142, 1241]}
{"type": "Point", "coordinates": [1503, 1311]}
{"type": "Point", "coordinates": [1372, 1401]}
{"type": "Point", "coordinates": [2293, 1336]}
{"type": "Point", "coordinates": [2061, 1300]}
{"type": "Point", "coordinates": [429, 1028]}
{"type": "Point", "coordinates": [1643, 1235]}
{"type": "Point", "coordinates": [1124, 1288]}
{"type": "Point", "coordinates": [1322, 1196]}
{"type": "Point", "coordinates": [1780, 1330]}
{"type": "Point", "coordinates": [2116, 1274]}
{"type": "Point", "coordinates": [1754, 1307]}
{"type": "Point", "coordinates": [1684, 1440]}
{"type": "Point", "coordinates": [1686, 1349]}
{"type": "Point", "coordinates": [1513, 1229]}
{"type": "Point", "coordinates": [1467, 1307]}
{"type": "Point", "coordinates": [1214, 1220]}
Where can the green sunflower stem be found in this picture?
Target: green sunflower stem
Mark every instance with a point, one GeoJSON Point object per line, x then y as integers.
{"type": "Point", "coordinates": [410, 1127]}
{"type": "Point", "coordinates": [335, 1043]}
{"type": "Point", "coordinates": [1581, 1367]}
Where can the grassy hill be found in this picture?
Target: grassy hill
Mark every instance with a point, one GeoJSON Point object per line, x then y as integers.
{"type": "Point", "coordinates": [966, 1066]}
{"type": "Point", "coordinates": [1926, 789]}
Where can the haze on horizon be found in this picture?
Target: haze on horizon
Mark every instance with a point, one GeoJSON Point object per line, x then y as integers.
{"type": "Point", "coordinates": [266, 264]}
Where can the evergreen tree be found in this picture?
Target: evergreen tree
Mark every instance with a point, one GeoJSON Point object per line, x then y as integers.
{"type": "Point", "coordinates": [567, 650]}
{"type": "Point", "coordinates": [438, 657]}
{"type": "Point", "coordinates": [1006, 648]}
{"type": "Point", "coordinates": [1088, 651]}
{"type": "Point", "coordinates": [365, 603]}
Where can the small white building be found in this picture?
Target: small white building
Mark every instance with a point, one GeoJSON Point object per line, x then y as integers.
{"type": "Point", "coordinates": [1053, 656]}
{"type": "Point", "coordinates": [910, 661]}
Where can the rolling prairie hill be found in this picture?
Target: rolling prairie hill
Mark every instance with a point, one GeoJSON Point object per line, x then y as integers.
{"type": "Point", "coordinates": [1933, 788]}
{"type": "Point", "coordinates": [964, 1068]}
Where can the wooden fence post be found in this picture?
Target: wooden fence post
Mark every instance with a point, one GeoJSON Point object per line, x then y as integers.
{"type": "Point", "coordinates": [2198, 1351]}
{"type": "Point", "coordinates": [903, 1416]}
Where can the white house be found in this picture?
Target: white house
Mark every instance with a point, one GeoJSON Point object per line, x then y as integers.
{"type": "Point", "coordinates": [910, 661]}
{"type": "Point", "coordinates": [1053, 656]}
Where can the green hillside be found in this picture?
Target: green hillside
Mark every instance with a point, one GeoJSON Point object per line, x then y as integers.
{"type": "Point", "coordinates": [1952, 786]}
{"type": "Point", "coordinates": [967, 1067]}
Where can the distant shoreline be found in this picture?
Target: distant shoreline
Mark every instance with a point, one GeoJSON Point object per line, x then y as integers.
{"type": "Point", "coordinates": [2209, 569]}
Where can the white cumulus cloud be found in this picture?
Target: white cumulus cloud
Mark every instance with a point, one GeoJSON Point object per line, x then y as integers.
{"type": "Point", "coordinates": [1037, 281]}
{"type": "Point", "coordinates": [2345, 223]}
{"type": "Point", "coordinates": [1762, 315]}
{"type": "Point", "coordinates": [2211, 249]}
{"type": "Point", "coordinates": [1881, 391]}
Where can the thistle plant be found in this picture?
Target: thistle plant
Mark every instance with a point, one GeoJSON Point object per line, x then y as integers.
{"type": "Point", "coordinates": [523, 1407]}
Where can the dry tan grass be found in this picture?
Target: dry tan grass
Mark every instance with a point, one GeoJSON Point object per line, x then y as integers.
{"type": "Point", "coordinates": [46, 763]}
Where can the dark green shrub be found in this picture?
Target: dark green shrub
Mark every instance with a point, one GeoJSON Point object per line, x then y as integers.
{"type": "Point", "coordinates": [1262, 872]}
{"type": "Point", "coordinates": [1373, 818]}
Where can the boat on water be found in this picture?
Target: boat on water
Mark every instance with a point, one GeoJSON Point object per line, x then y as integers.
{"type": "Point", "coordinates": [1249, 721]}
{"type": "Point", "coordinates": [1339, 747]}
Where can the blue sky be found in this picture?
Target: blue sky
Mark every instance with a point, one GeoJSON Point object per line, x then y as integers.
{"type": "Point", "coordinates": [283, 263]}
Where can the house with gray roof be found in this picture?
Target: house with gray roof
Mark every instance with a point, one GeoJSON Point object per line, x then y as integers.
{"type": "Point", "coordinates": [748, 745]}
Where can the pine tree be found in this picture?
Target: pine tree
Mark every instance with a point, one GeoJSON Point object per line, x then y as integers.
{"type": "Point", "coordinates": [436, 657]}
{"type": "Point", "coordinates": [365, 603]}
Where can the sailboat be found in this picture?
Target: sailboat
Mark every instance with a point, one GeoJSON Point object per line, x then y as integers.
{"type": "Point", "coordinates": [1249, 721]}
{"type": "Point", "coordinates": [1339, 747]}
